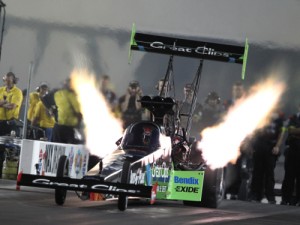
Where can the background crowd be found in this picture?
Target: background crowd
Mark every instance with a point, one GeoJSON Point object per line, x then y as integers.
{"type": "Point", "coordinates": [54, 115]}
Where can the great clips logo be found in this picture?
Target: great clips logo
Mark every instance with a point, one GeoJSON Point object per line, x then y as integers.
{"type": "Point", "coordinates": [201, 50]}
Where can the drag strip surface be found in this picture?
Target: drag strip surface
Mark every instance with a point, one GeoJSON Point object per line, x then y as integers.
{"type": "Point", "coordinates": [37, 206]}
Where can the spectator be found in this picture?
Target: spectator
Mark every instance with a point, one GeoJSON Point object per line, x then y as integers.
{"type": "Point", "coordinates": [234, 172]}
{"type": "Point", "coordinates": [10, 102]}
{"type": "Point", "coordinates": [33, 100]}
{"type": "Point", "coordinates": [129, 106]}
{"type": "Point", "coordinates": [184, 110]}
{"type": "Point", "coordinates": [164, 92]}
{"type": "Point", "coordinates": [290, 133]}
{"type": "Point", "coordinates": [106, 90]}
{"type": "Point", "coordinates": [68, 115]}
{"type": "Point", "coordinates": [211, 111]}
{"type": "Point", "coordinates": [43, 117]}
{"type": "Point", "coordinates": [264, 160]}
{"type": "Point", "coordinates": [237, 92]}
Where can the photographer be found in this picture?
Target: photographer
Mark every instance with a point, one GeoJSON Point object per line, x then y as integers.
{"type": "Point", "coordinates": [129, 106]}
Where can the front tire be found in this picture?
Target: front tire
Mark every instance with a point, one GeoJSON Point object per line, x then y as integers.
{"type": "Point", "coordinates": [125, 178]}
{"type": "Point", "coordinates": [62, 171]}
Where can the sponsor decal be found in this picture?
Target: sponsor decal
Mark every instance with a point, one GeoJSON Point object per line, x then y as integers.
{"type": "Point", "coordinates": [84, 165]}
{"type": "Point", "coordinates": [104, 187]}
{"type": "Point", "coordinates": [40, 166]}
{"type": "Point", "coordinates": [78, 162]}
{"type": "Point", "coordinates": [187, 189]}
{"type": "Point", "coordinates": [160, 172]}
{"type": "Point", "coordinates": [148, 175]}
{"type": "Point", "coordinates": [185, 185]}
{"type": "Point", "coordinates": [98, 187]}
{"type": "Point", "coordinates": [40, 163]}
{"type": "Point", "coordinates": [52, 155]}
{"type": "Point", "coordinates": [71, 159]}
{"type": "Point", "coordinates": [190, 180]}
{"type": "Point", "coordinates": [201, 50]}
{"type": "Point", "coordinates": [138, 177]}
{"type": "Point", "coordinates": [162, 188]}
{"type": "Point", "coordinates": [47, 182]}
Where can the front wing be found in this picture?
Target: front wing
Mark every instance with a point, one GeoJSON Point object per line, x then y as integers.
{"type": "Point", "coordinates": [181, 185]}
{"type": "Point", "coordinates": [86, 185]}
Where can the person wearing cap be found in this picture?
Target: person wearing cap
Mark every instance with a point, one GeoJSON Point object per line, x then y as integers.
{"type": "Point", "coordinates": [43, 117]}
{"type": "Point", "coordinates": [34, 98]}
{"type": "Point", "coordinates": [129, 106]}
{"type": "Point", "coordinates": [11, 98]}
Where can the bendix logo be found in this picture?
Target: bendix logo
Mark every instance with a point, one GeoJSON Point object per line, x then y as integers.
{"type": "Point", "coordinates": [184, 180]}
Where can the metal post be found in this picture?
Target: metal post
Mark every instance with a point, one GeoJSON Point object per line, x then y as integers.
{"type": "Point", "coordinates": [24, 133]}
{"type": "Point", "coordinates": [196, 83]}
{"type": "Point", "coordinates": [2, 5]}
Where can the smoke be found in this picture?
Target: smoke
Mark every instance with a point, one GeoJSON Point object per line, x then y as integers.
{"type": "Point", "coordinates": [105, 51]}
{"type": "Point", "coordinates": [42, 39]}
{"type": "Point", "coordinates": [221, 144]}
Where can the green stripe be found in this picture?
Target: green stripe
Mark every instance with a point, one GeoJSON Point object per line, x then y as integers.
{"type": "Point", "coordinates": [132, 42]}
{"type": "Point", "coordinates": [245, 57]}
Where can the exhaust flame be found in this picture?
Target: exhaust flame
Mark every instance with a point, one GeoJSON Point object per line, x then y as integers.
{"type": "Point", "coordinates": [220, 144]}
{"type": "Point", "coordinates": [102, 129]}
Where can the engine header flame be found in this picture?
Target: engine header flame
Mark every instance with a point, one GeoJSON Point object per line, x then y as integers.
{"type": "Point", "coordinates": [221, 144]}
{"type": "Point", "coordinates": [102, 129]}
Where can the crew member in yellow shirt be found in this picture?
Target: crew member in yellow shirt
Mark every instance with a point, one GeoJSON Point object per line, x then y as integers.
{"type": "Point", "coordinates": [68, 115]}
{"type": "Point", "coordinates": [34, 98]}
{"type": "Point", "coordinates": [10, 102]}
{"type": "Point", "coordinates": [43, 117]}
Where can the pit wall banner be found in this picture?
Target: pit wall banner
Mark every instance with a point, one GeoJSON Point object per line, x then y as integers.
{"type": "Point", "coordinates": [40, 157]}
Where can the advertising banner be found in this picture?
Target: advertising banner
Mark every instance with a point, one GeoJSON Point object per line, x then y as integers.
{"type": "Point", "coordinates": [41, 158]}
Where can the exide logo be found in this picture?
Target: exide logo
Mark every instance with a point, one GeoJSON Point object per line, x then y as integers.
{"type": "Point", "coordinates": [187, 189]}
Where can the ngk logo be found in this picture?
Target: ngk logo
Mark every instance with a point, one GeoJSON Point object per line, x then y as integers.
{"type": "Point", "coordinates": [187, 189]}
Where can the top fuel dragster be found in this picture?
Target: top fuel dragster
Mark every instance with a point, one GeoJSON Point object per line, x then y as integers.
{"type": "Point", "coordinates": [154, 159]}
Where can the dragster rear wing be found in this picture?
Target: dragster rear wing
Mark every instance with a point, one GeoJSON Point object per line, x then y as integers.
{"type": "Point", "coordinates": [189, 48]}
